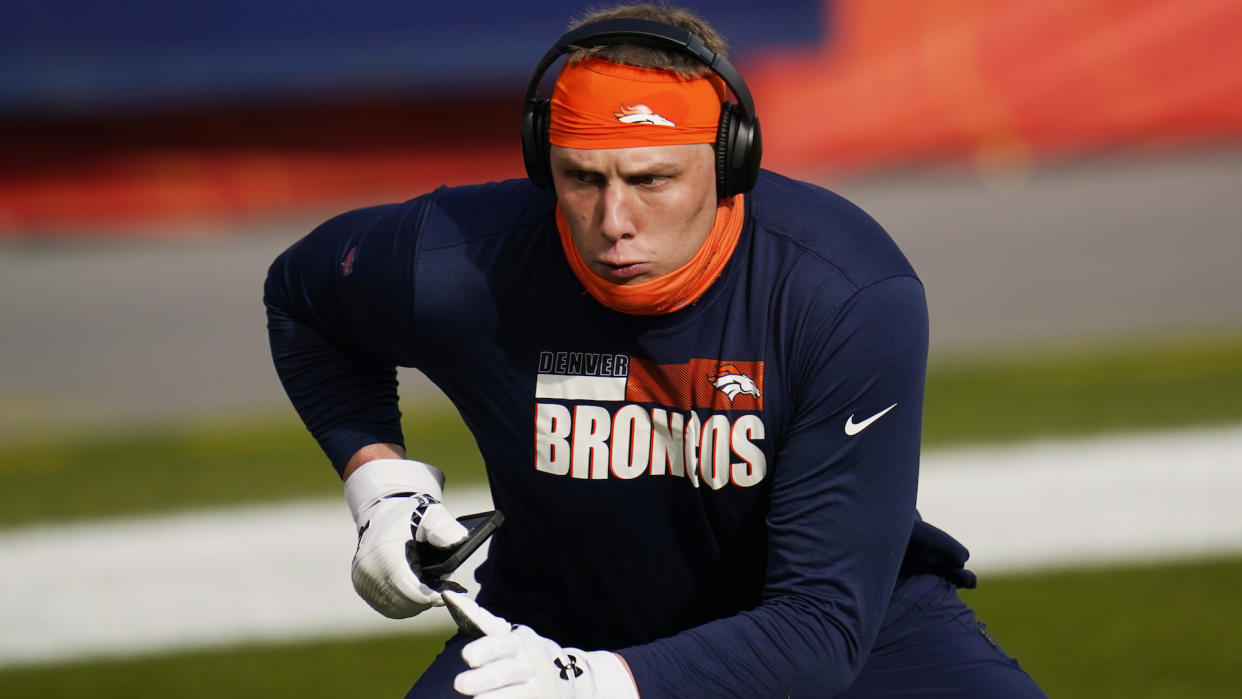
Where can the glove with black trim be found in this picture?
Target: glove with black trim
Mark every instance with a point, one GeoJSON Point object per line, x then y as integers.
{"type": "Point", "coordinates": [394, 501]}
{"type": "Point", "coordinates": [510, 661]}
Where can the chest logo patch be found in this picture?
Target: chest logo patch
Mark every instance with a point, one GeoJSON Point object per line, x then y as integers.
{"type": "Point", "coordinates": [730, 381]}
{"type": "Point", "coordinates": [611, 416]}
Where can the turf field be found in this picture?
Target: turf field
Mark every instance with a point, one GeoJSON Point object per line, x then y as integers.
{"type": "Point", "coordinates": [1158, 630]}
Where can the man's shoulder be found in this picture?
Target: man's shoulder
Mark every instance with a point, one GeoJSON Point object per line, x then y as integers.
{"type": "Point", "coordinates": [449, 215]}
{"type": "Point", "coordinates": [463, 213]}
{"type": "Point", "coordinates": [825, 229]}
{"type": "Point", "coordinates": [516, 192]}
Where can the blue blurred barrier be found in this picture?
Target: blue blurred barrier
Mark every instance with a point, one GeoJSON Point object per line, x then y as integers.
{"type": "Point", "coordinates": [80, 54]}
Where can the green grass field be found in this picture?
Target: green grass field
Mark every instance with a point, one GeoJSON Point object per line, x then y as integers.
{"type": "Point", "coordinates": [1156, 631]}
{"type": "Point", "coordinates": [1139, 632]}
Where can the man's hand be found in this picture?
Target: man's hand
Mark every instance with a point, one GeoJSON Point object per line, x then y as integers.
{"type": "Point", "coordinates": [514, 662]}
{"type": "Point", "coordinates": [394, 501]}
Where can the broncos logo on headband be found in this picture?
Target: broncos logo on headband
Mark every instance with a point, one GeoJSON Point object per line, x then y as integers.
{"type": "Point", "coordinates": [732, 382]}
{"type": "Point", "coordinates": [640, 114]}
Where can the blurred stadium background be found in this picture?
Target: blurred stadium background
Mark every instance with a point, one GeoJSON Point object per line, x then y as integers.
{"type": "Point", "coordinates": [1066, 176]}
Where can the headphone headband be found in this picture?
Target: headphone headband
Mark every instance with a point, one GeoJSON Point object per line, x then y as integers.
{"type": "Point", "coordinates": [738, 143]}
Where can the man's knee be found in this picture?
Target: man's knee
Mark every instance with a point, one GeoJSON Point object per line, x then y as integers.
{"type": "Point", "coordinates": [437, 680]}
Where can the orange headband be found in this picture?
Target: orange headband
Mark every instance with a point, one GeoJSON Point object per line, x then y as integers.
{"type": "Point", "coordinates": [600, 104]}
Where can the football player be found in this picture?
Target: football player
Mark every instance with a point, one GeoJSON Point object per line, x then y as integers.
{"type": "Point", "coordinates": [697, 388]}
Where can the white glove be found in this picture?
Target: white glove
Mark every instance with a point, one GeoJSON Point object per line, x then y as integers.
{"type": "Point", "coordinates": [514, 662]}
{"type": "Point", "coordinates": [394, 501]}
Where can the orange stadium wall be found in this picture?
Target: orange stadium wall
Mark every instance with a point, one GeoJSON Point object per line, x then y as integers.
{"type": "Point", "coordinates": [1002, 82]}
{"type": "Point", "coordinates": [896, 83]}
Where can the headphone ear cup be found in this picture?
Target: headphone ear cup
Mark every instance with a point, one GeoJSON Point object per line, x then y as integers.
{"type": "Point", "coordinates": [749, 145]}
{"type": "Point", "coordinates": [725, 138]}
{"type": "Point", "coordinates": [535, 146]}
{"type": "Point", "coordinates": [738, 150]}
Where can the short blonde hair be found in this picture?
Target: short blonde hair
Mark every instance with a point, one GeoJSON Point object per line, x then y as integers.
{"type": "Point", "coordinates": [648, 56]}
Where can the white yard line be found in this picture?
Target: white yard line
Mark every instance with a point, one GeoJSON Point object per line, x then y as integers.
{"type": "Point", "coordinates": [1089, 502]}
{"type": "Point", "coordinates": [280, 572]}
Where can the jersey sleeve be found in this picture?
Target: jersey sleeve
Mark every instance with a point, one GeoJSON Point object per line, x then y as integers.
{"type": "Point", "coordinates": [339, 308]}
{"type": "Point", "coordinates": [841, 511]}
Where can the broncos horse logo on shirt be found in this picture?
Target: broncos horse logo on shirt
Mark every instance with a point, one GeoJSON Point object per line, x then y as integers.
{"type": "Point", "coordinates": [732, 382]}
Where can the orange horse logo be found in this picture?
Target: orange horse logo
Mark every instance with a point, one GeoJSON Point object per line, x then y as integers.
{"type": "Point", "coordinates": [732, 382]}
{"type": "Point", "coordinates": [640, 114]}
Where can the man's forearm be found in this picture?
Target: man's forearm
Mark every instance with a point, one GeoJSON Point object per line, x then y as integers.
{"type": "Point", "coordinates": [372, 452]}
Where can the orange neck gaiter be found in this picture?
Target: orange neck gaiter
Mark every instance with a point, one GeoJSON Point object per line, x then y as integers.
{"type": "Point", "coordinates": [668, 292]}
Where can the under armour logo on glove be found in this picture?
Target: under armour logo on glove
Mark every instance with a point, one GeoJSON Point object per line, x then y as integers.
{"type": "Point", "coordinates": [513, 661]}
{"type": "Point", "coordinates": [565, 669]}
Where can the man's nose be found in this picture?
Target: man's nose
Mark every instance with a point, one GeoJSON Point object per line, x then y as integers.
{"type": "Point", "coordinates": [618, 220]}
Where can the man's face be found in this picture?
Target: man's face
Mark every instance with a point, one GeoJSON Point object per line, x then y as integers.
{"type": "Point", "coordinates": [636, 213]}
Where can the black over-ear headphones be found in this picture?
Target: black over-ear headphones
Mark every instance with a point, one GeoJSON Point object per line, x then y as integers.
{"type": "Point", "coordinates": [738, 145]}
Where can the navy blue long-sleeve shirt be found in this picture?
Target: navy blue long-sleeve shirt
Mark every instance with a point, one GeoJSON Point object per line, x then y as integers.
{"type": "Point", "coordinates": [725, 495]}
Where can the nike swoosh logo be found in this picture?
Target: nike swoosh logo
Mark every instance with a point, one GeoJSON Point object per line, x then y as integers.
{"type": "Point", "coordinates": [852, 428]}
